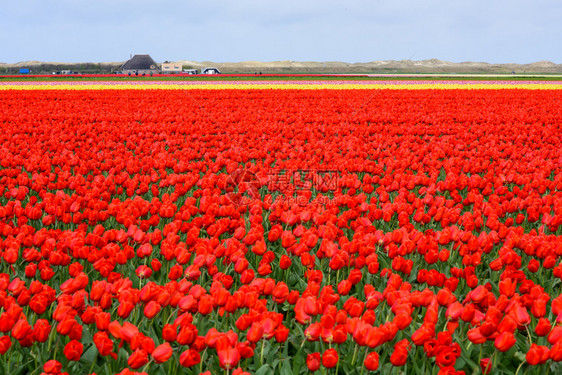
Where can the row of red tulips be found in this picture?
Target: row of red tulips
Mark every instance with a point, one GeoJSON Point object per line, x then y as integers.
{"type": "Point", "coordinates": [280, 231]}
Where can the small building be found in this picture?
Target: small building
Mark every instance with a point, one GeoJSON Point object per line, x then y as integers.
{"type": "Point", "coordinates": [168, 67]}
{"type": "Point", "coordinates": [190, 71]}
{"type": "Point", "coordinates": [210, 71]}
{"type": "Point", "coordinates": [140, 65]}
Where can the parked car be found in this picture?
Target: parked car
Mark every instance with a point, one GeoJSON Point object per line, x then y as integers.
{"type": "Point", "coordinates": [210, 71]}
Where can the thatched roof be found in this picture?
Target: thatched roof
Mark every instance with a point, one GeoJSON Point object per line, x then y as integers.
{"type": "Point", "coordinates": [139, 62]}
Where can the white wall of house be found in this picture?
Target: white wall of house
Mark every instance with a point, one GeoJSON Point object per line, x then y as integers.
{"type": "Point", "coordinates": [171, 68]}
{"type": "Point", "coordinates": [140, 71]}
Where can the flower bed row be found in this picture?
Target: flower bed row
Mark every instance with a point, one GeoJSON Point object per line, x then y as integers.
{"type": "Point", "coordinates": [281, 84]}
{"type": "Point", "coordinates": [280, 231]}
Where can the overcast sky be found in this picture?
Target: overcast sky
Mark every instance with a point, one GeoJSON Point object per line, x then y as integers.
{"type": "Point", "coordinates": [497, 31]}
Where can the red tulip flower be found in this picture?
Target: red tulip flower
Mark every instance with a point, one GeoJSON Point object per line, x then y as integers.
{"type": "Point", "coordinates": [170, 332]}
{"type": "Point", "coordinates": [103, 343]}
{"type": "Point", "coordinates": [313, 361]}
{"type": "Point", "coordinates": [255, 333]}
{"type": "Point", "coordinates": [504, 341]}
{"type": "Point", "coordinates": [162, 353]}
{"type": "Point", "coordinates": [372, 361]}
{"type": "Point", "coordinates": [228, 354]}
{"type": "Point", "coordinates": [41, 330]}
{"type": "Point", "coordinates": [21, 329]}
{"type": "Point", "coordinates": [486, 366]}
{"type": "Point", "coordinates": [138, 359]}
{"type": "Point", "coordinates": [52, 367]}
{"type": "Point", "coordinates": [537, 354]}
{"type": "Point", "coordinates": [543, 327]}
{"type": "Point", "coordinates": [73, 350]}
{"type": "Point", "coordinates": [330, 358]}
{"type": "Point", "coordinates": [5, 344]}
{"type": "Point", "coordinates": [190, 358]}
{"type": "Point", "coordinates": [400, 354]}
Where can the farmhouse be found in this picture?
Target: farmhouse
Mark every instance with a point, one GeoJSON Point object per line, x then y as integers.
{"type": "Point", "coordinates": [140, 65]}
{"type": "Point", "coordinates": [168, 67]}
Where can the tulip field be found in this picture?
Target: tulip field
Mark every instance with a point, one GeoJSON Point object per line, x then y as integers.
{"type": "Point", "coordinates": [280, 227]}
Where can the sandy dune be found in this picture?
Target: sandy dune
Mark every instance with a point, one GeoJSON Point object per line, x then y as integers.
{"type": "Point", "coordinates": [389, 66]}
